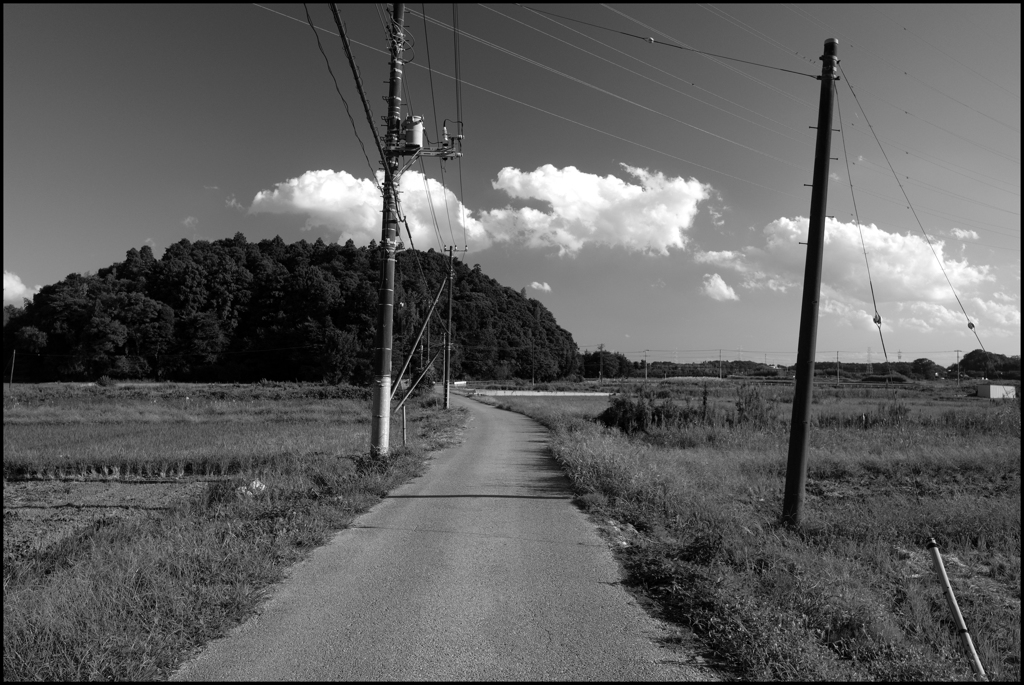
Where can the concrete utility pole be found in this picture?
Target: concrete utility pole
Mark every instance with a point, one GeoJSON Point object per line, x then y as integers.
{"type": "Point", "coordinates": [399, 141]}
{"type": "Point", "coordinates": [957, 369]}
{"type": "Point", "coordinates": [380, 428]}
{"type": "Point", "coordinates": [799, 436]}
{"type": "Point", "coordinates": [450, 334]}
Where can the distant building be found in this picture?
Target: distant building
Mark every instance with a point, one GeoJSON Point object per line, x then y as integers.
{"type": "Point", "coordinates": [994, 391]}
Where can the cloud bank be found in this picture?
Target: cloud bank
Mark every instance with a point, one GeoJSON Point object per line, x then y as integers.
{"type": "Point", "coordinates": [650, 215]}
{"type": "Point", "coordinates": [15, 290]}
{"type": "Point", "coordinates": [908, 283]}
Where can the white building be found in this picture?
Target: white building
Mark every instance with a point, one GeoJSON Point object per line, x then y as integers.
{"type": "Point", "coordinates": [994, 391]}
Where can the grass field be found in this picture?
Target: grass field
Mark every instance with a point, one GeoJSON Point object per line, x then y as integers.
{"type": "Point", "coordinates": [851, 595]}
{"type": "Point", "coordinates": [273, 470]}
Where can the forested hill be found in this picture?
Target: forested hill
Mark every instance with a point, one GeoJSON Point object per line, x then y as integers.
{"type": "Point", "coordinates": [232, 310]}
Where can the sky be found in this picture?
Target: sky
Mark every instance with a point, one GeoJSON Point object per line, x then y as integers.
{"type": "Point", "coordinates": [652, 198]}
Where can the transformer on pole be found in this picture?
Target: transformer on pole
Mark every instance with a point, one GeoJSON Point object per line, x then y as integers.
{"type": "Point", "coordinates": [400, 141]}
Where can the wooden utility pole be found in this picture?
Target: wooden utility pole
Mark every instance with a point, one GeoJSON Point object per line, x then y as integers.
{"type": "Point", "coordinates": [796, 468]}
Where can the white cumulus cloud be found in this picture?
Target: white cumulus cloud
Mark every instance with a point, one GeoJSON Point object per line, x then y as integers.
{"type": "Point", "coordinates": [541, 286]}
{"type": "Point", "coordinates": [650, 215]}
{"type": "Point", "coordinates": [15, 290]}
{"type": "Point", "coordinates": [717, 289]}
{"type": "Point", "coordinates": [190, 222]}
{"type": "Point", "coordinates": [351, 207]}
{"type": "Point", "coordinates": [964, 234]}
{"type": "Point", "coordinates": [908, 282]}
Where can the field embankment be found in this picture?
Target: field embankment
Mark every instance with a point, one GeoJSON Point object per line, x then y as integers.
{"type": "Point", "coordinates": [251, 479]}
{"type": "Point", "coordinates": [694, 477]}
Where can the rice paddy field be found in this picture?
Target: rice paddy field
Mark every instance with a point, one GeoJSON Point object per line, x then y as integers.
{"type": "Point", "coordinates": [693, 477]}
{"type": "Point", "coordinates": [143, 520]}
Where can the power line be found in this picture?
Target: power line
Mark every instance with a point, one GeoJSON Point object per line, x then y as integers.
{"type": "Point", "coordinates": [564, 118]}
{"type": "Point", "coordinates": [652, 41]}
{"type": "Point", "coordinates": [727, 66]}
{"type": "Point", "coordinates": [373, 171]}
{"type": "Point", "coordinates": [615, 95]}
{"type": "Point", "coordinates": [938, 49]}
{"type": "Point", "coordinates": [807, 16]}
{"type": "Point", "coordinates": [674, 90]}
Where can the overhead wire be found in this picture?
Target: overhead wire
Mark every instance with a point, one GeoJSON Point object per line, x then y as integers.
{"type": "Point", "coordinates": [940, 50]}
{"type": "Point", "coordinates": [652, 41]}
{"type": "Point", "coordinates": [970, 324]}
{"type": "Point", "coordinates": [636, 73]}
{"type": "Point", "coordinates": [615, 95]}
{"type": "Point", "coordinates": [731, 68]}
{"type": "Point", "coordinates": [563, 118]}
{"type": "Point", "coordinates": [373, 171]}
{"type": "Point", "coordinates": [874, 53]}
{"type": "Point", "coordinates": [668, 73]}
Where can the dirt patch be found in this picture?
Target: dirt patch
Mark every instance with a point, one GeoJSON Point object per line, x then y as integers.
{"type": "Point", "coordinates": [38, 514]}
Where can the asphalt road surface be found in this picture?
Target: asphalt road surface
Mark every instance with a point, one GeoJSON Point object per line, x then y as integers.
{"type": "Point", "coordinates": [481, 569]}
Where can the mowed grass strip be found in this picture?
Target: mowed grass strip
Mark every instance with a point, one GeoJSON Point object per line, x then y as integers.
{"type": "Point", "coordinates": [129, 599]}
{"type": "Point", "coordinates": [852, 594]}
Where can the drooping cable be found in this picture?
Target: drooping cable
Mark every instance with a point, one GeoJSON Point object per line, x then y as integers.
{"type": "Point", "coordinates": [373, 172]}
{"type": "Point", "coordinates": [856, 214]}
{"type": "Point", "coordinates": [970, 324]}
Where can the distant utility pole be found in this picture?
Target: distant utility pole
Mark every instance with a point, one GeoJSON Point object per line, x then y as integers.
{"type": "Point", "coordinates": [837, 368]}
{"type": "Point", "coordinates": [645, 365]}
{"type": "Point", "coordinates": [600, 362]}
{"type": "Point", "coordinates": [799, 436]}
{"type": "Point", "coordinates": [450, 334]}
{"type": "Point", "coordinates": [957, 369]}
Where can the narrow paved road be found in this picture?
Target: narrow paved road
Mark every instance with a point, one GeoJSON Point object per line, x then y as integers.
{"type": "Point", "coordinates": [481, 569]}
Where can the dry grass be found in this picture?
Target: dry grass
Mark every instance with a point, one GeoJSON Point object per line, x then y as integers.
{"type": "Point", "coordinates": [851, 594]}
{"type": "Point", "coordinates": [128, 599]}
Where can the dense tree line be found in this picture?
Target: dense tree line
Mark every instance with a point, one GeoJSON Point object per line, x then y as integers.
{"type": "Point", "coordinates": [231, 310]}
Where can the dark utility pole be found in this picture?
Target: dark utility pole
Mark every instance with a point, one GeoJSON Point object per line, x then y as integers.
{"type": "Point", "coordinates": [796, 468]}
{"type": "Point", "coordinates": [448, 334]}
{"type": "Point", "coordinates": [380, 428]}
